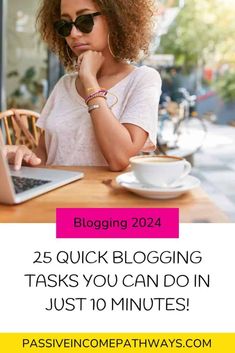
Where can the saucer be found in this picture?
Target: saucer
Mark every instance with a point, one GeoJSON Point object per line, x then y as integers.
{"type": "Point", "coordinates": [129, 182]}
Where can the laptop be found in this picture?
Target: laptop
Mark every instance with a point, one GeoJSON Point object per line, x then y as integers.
{"type": "Point", "coordinates": [28, 182]}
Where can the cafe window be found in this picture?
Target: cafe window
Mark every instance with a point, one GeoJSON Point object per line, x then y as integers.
{"type": "Point", "coordinates": [26, 58]}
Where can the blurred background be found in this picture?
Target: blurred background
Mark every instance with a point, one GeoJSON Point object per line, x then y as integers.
{"type": "Point", "coordinates": [195, 48]}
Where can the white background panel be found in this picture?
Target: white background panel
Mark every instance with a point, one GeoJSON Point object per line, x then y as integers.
{"type": "Point", "coordinates": [22, 309]}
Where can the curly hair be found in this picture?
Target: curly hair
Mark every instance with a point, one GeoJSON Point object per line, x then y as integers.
{"type": "Point", "coordinates": [131, 25]}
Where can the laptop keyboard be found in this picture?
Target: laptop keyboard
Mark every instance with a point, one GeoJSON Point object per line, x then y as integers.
{"type": "Point", "coordinates": [23, 184]}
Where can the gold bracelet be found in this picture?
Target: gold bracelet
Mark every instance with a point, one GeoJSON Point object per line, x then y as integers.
{"type": "Point", "coordinates": [93, 89]}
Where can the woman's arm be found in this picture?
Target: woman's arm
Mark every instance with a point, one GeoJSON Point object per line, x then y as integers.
{"type": "Point", "coordinates": [40, 150]}
{"type": "Point", "coordinates": [19, 154]}
{"type": "Point", "coordinates": [118, 142]}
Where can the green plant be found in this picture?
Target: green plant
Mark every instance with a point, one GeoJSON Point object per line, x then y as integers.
{"type": "Point", "coordinates": [202, 33]}
{"type": "Point", "coordinates": [30, 81]}
{"type": "Point", "coordinates": [225, 86]}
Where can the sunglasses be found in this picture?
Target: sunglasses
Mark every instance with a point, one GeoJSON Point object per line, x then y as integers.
{"type": "Point", "coordinates": [84, 23]}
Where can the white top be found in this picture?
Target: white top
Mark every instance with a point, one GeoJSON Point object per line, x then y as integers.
{"type": "Point", "coordinates": [69, 133]}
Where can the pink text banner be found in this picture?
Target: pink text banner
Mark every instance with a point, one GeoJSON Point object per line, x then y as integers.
{"type": "Point", "coordinates": [117, 223]}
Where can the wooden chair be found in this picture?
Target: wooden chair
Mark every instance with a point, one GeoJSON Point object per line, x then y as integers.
{"type": "Point", "coordinates": [20, 127]}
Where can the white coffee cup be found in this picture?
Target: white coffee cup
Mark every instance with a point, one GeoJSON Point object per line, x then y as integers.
{"type": "Point", "coordinates": [159, 171]}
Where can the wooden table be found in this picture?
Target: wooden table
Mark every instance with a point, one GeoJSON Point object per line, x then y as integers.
{"type": "Point", "coordinates": [99, 189]}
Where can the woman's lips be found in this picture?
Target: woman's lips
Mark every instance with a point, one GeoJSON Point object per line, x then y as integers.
{"type": "Point", "coordinates": [79, 45]}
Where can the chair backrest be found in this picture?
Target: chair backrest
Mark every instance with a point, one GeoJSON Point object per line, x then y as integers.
{"type": "Point", "coordinates": [20, 127]}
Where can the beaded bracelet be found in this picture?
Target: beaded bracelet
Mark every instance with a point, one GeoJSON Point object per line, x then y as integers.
{"type": "Point", "coordinates": [101, 93]}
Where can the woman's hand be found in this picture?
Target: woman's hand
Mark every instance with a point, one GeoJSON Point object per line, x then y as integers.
{"type": "Point", "coordinates": [88, 64]}
{"type": "Point", "coordinates": [18, 155]}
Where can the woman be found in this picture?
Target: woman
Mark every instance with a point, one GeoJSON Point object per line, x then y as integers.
{"type": "Point", "coordinates": [106, 111]}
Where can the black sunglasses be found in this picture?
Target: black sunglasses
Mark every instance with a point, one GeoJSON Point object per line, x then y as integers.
{"type": "Point", "coordinates": [84, 23]}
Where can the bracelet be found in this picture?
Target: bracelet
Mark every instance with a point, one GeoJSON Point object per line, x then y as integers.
{"type": "Point", "coordinates": [90, 89]}
{"type": "Point", "coordinates": [100, 93]}
{"type": "Point", "coordinates": [92, 107]}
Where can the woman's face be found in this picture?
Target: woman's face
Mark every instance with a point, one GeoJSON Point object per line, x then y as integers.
{"type": "Point", "coordinates": [78, 41]}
